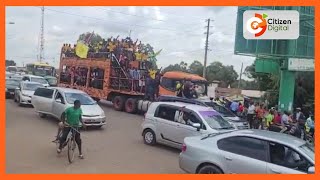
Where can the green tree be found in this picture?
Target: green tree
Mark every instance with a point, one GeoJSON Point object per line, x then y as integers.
{"type": "Point", "coordinates": [95, 38]}
{"type": "Point", "coordinates": [182, 66]}
{"type": "Point", "coordinates": [196, 68]}
{"type": "Point", "coordinates": [217, 71]}
{"type": "Point", "coordinates": [10, 63]}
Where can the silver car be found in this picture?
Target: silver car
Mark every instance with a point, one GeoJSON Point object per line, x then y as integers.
{"type": "Point", "coordinates": [170, 122]}
{"type": "Point", "coordinates": [24, 92]}
{"type": "Point", "coordinates": [247, 152]}
{"type": "Point", "coordinates": [55, 100]}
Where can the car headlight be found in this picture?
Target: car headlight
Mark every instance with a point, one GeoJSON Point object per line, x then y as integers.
{"type": "Point", "coordinates": [102, 113]}
{"type": "Point", "coordinates": [25, 95]}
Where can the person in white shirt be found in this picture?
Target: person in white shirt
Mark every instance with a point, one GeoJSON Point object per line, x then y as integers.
{"type": "Point", "coordinates": [251, 113]}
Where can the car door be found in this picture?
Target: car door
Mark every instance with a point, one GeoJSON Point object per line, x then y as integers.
{"type": "Point", "coordinates": [285, 160]}
{"type": "Point", "coordinates": [58, 104]}
{"type": "Point", "coordinates": [186, 129]}
{"type": "Point", "coordinates": [244, 155]}
{"type": "Point", "coordinates": [164, 116]}
{"type": "Point", "coordinates": [42, 100]}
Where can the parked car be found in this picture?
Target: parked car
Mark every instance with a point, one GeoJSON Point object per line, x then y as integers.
{"type": "Point", "coordinates": [11, 85]}
{"type": "Point", "coordinates": [55, 100]}
{"type": "Point", "coordinates": [16, 77]}
{"type": "Point", "coordinates": [247, 152]}
{"type": "Point", "coordinates": [224, 112]}
{"type": "Point", "coordinates": [37, 79]}
{"type": "Point", "coordinates": [25, 91]}
{"type": "Point", "coordinates": [170, 122]}
{"type": "Point", "coordinates": [9, 74]}
{"type": "Point", "coordinates": [53, 81]}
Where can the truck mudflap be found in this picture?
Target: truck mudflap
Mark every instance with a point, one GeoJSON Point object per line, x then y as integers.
{"type": "Point", "coordinates": [143, 105]}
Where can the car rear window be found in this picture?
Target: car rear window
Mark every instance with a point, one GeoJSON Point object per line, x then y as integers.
{"type": "Point", "coordinates": [44, 92]}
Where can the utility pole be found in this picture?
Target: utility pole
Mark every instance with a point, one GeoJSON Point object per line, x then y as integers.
{"type": "Point", "coordinates": [206, 49]}
{"type": "Point", "coordinates": [239, 83]}
{"type": "Point", "coordinates": [42, 35]}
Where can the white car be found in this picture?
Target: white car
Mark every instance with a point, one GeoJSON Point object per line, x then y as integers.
{"type": "Point", "coordinates": [25, 91]}
{"type": "Point", "coordinates": [37, 79]}
{"type": "Point", "coordinates": [170, 122]}
{"type": "Point", "coordinates": [55, 100]}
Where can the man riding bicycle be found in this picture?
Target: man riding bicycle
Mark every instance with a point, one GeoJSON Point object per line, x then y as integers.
{"type": "Point", "coordinates": [71, 117]}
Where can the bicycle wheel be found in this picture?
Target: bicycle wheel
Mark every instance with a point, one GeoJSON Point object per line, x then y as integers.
{"type": "Point", "coordinates": [58, 141]}
{"type": "Point", "coordinates": [71, 149]}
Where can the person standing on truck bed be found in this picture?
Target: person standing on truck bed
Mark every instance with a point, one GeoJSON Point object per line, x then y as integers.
{"type": "Point", "coordinates": [186, 91]}
{"type": "Point", "coordinates": [179, 88]}
{"type": "Point", "coordinates": [149, 94]}
{"type": "Point", "coordinates": [157, 84]}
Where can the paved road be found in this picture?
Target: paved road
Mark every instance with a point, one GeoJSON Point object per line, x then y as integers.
{"type": "Point", "coordinates": [116, 148]}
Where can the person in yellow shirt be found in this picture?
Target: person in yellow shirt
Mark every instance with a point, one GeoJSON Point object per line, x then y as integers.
{"type": "Point", "coordinates": [138, 56]}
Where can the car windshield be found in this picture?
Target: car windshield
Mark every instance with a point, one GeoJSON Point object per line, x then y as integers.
{"type": "Point", "coordinates": [39, 80]}
{"type": "Point", "coordinates": [214, 120]}
{"type": "Point", "coordinates": [31, 87]}
{"type": "Point", "coordinates": [308, 150]}
{"type": "Point", "coordinates": [52, 80]}
{"type": "Point", "coordinates": [12, 82]}
{"type": "Point", "coordinates": [82, 97]}
{"type": "Point", "coordinates": [222, 110]}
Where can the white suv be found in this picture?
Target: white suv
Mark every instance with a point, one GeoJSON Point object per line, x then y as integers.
{"type": "Point", "coordinates": [170, 122]}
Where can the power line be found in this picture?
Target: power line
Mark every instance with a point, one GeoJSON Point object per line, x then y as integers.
{"type": "Point", "coordinates": [118, 23]}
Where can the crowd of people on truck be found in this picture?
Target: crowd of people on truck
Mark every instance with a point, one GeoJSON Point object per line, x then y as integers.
{"type": "Point", "coordinates": [298, 124]}
{"type": "Point", "coordinates": [132, 58]}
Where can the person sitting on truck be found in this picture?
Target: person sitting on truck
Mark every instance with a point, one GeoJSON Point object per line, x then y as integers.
{"type": "Point", "coordinates": [179, 87]}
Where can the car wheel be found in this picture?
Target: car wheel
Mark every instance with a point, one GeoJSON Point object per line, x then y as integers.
{"type": "Point", "coordinates": [149, 137]}
{"type": "Point", "coordinates": [118, 103]}
{"type": "Point", "coordinates": [131, 105]}
{"type": "Point", "coordinates": [42, 115]}
{"type": "Point", "coordinates": [209, 169]}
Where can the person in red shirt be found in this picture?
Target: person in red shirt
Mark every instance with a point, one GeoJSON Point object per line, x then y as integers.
{"type": "Point", "coordinates": [277, 117]}
{"type": "Point", "coordinates": [240, 109]}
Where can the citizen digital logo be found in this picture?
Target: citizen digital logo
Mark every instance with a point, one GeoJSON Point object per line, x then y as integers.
{"type": "Point", "coordinates": [271, 24]}
{"type": "Point", "coordinates": [278, 25]}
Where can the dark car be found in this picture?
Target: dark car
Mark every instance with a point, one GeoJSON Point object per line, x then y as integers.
{"type": "Point", "coordinates": [11, 85]}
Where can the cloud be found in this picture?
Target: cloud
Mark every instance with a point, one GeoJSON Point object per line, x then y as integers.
{"type": "Point", "coordinates": [176, 30]}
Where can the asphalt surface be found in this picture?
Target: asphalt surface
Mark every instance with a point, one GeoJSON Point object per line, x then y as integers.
{"type": "Point", "coordinates": [116, 148]}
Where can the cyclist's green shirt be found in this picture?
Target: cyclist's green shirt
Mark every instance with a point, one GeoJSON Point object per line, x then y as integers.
{"type": "Point", "coordinates": [73, 116]}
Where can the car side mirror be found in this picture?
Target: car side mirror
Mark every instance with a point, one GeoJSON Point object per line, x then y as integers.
{"type": "Point", "coordinates": [311, 170]}
{"type": "Point", "coordinates": [58, 101]}
{"type": "Point", "coordinates": [197, 126]}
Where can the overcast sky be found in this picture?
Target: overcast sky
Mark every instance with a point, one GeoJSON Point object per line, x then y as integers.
{"type": "Point", "coordinates": [179, 31]}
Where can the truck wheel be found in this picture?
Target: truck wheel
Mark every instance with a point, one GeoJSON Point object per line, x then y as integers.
{"type": "Point", "coordinates": [118, 103]}
{"type": "Point", "coordinates": [131, 105]}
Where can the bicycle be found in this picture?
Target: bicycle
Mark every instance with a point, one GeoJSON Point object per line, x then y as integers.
{"type": "Point", "coordinates": [70, 142]}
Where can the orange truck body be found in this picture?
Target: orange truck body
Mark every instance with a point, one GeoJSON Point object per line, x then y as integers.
{"type": "Point", "coordinates": [121, 97]}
